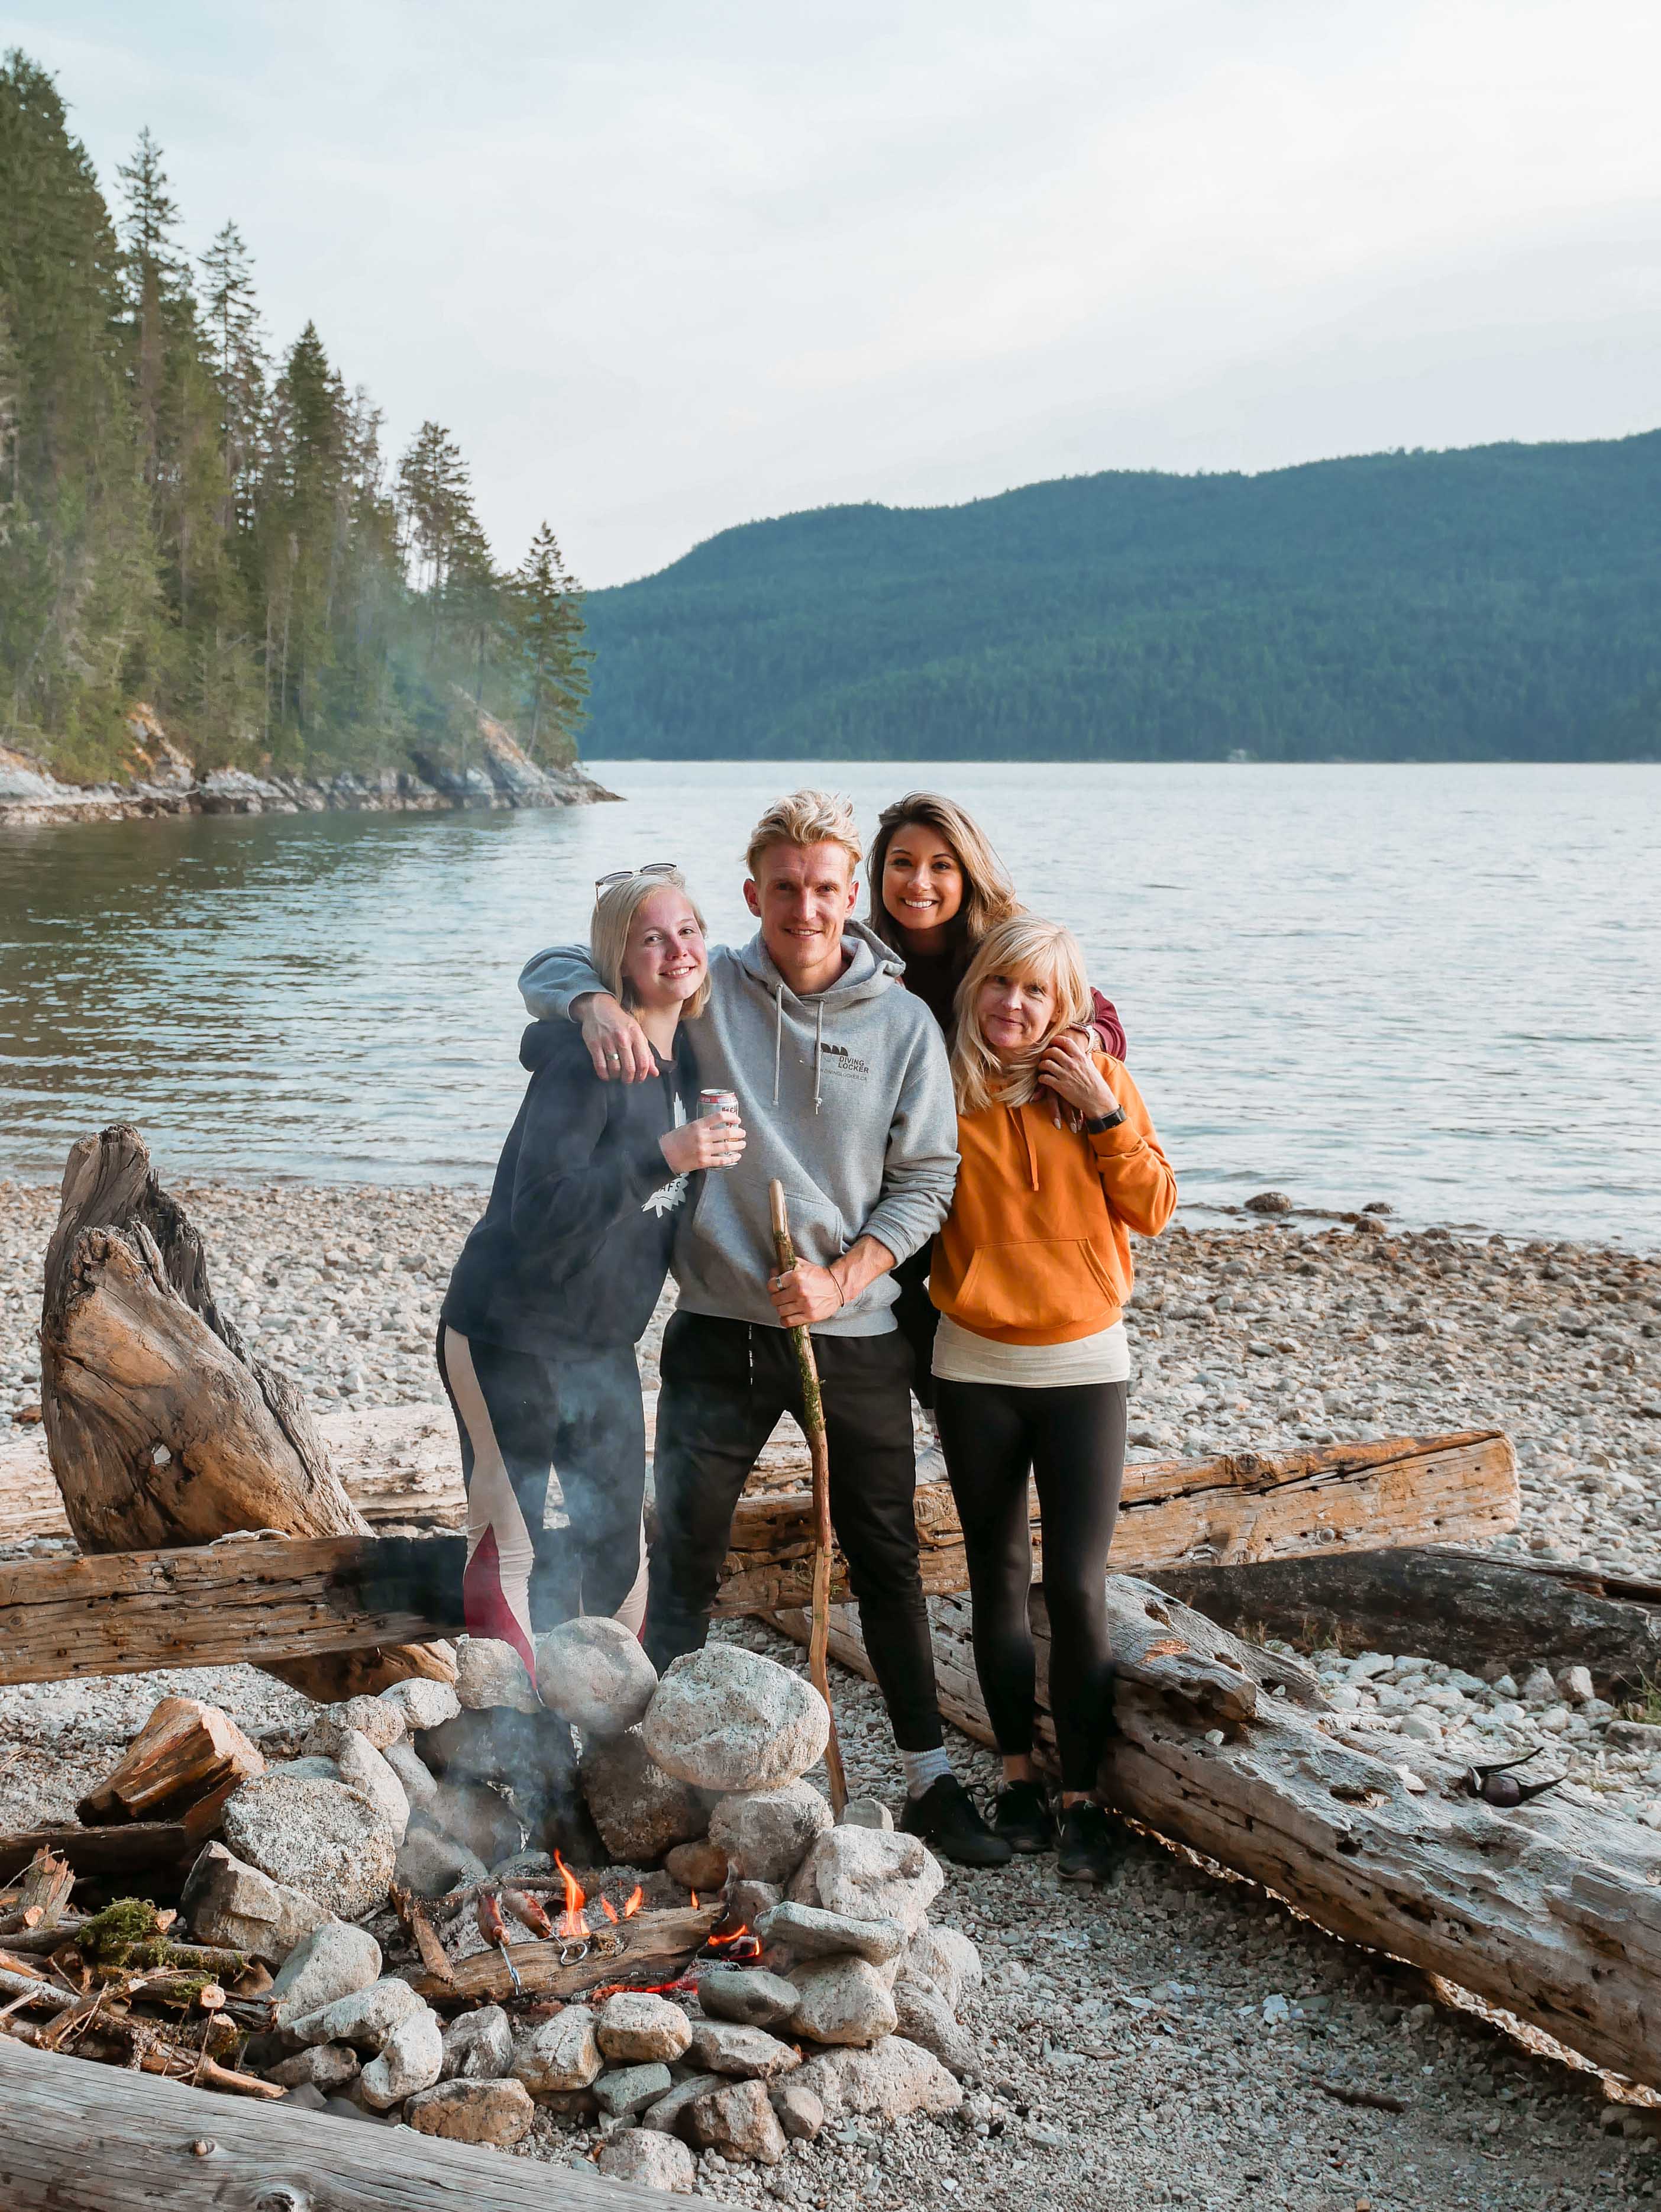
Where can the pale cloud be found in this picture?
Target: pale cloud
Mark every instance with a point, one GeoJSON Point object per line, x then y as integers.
{"type": "Point", "coordinates": [663, 269]}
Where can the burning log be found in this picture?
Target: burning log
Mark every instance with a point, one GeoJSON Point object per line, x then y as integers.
{"type": "Point", "coordinates": [162, 1430]}
{"type": "Point", "coordinates": [1462, 1607]}
{"type": "Point", "coordinates": [185, 1754]}
{"type": "Point", "coordinates": [1326, 1500]}
{"type": "Point", "coordinates": [644, 1948]}
{"type": "Point", "coordinates": [1551, 1910]}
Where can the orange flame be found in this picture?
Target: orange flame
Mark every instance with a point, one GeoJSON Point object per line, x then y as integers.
{"type": "Point", "coordinates": [738, 1936]}
{"type": "Point", "coordinates": [610, 1910]}
{"type": "Point", "coordinates": [572, 1923]}
{"type": "Point", "coordinates": [636, 1900]}
{"type": "Point", "coordinates": [694, 1900]}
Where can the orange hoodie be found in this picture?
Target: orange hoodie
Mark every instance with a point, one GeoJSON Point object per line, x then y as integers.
{"type": "Point", "coordinates": [1036, 1248]}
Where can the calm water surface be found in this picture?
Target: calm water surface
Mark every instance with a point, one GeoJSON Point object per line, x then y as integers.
{"type": "Point", "coordinates": [1436, 986]}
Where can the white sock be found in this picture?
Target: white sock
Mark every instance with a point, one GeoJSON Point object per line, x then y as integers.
{"type": "Point", "coordinates": [924, 1768]}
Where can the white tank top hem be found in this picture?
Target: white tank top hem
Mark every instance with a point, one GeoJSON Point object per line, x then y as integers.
{"type": "Point", "coordinates": [960, 1355]}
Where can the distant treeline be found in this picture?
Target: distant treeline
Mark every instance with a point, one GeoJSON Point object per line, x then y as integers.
{"type": "Point", "coordinates": [1503, 603]}
{"type": "Point", "coordinates": [185, 520]}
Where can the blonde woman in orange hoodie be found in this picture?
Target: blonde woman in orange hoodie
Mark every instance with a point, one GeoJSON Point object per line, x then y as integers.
{"type": "Point", "coordinates": [1058, 1164]}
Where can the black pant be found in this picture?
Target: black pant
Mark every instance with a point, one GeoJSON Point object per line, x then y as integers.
{"type": "Point", "coordinates": [1073, 1441]}
{"type": "Point", "coordinates": [724, 1385]}
{"type": "Point", "coordinates": [917, 1317]}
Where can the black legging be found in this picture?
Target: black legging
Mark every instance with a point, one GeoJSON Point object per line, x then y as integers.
{"type": "Point", "coordinates": [918, 1317]}
{"type": "Point", "coordinates": [1073, 1441]}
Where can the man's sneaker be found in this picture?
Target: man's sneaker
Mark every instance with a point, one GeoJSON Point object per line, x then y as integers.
{"type": "Point", "coordinates": [945, 1815]}
{"type": "Point", "coordinates": [1023, 1817]}
{"type": "Point", "coordinates": [1093, 1844]}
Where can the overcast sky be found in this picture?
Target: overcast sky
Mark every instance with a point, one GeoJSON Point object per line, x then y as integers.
{"type": "Point", "coordinates": [664, 266]}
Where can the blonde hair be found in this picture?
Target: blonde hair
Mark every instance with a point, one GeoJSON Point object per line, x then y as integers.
{"type": "Point", "coordinates": [806, 817]}
{"type": "Point", "coordinates": [1025, 946]}
{"type": "Point", "coordinates": [608, 935]}
{"type": "Point", "coordinates": [988, 894]}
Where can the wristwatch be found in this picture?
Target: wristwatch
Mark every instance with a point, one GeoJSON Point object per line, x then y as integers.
{"type": "Point", "coordinates": [1097, 1125]}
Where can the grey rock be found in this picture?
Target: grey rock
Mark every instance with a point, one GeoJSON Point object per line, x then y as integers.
{"type": "Point", "coordinates": [491, 1673]}
{"type": "Point", "coordinates": [362, 1767]}
{"type": "Point", "coordinates": [667, 2116]}
{"type": "Point", "coordinates": [739, 2121]}
{"type": "Point", "coordinates": [331, 1841]}
{"type": "Point", "coordinates": [801, 2114]}
{"type": "Point", "coordinates": [623, 2091]}
{"type": "Point", "coordinates": [923, 2016]}
{"type": "Point", "coordinates": [749, 1996]}
{"type": "Point", "coordinates": [746, 1901]}
{"type": "Point", "coordinates": [227, 1903]}
{"type": "Point", "coordinates": [842, 2001]}
{"type": "Point", "coordinates": [410, 2059]}
{"type": "Point", "coordinates": [700, 1864]}
{"type": "Point", "coordinates": [314, 1767]}
{"type": "Point", "coordinates": [637, 2025]}
{"type": "Point", "coordinates": [497, 1744]}
{"type": "Point", "coordinates": [593, 1672]}
{"type": "Point", "coordinates": [1632, 1735]}
{"type": "Point", "coordinates": [890, 2080]}
{"type": "Point", "coordinates": [325, 2066]}
{"type": "Point", "coordinates": [1539, 1689]}
{"type": "Point", "coordinates": [378, 1721]}
{"type": "Point", "coordinates": [414, 1774]}
{"type": "Point", "coordinates": [334, 1961]}
{"type": "Point", "coordinates": [365, 2018]}
{"type": "Point", "coordinates": [495, 2112]}
{"type": "Point", "coordinates": [478, 1817]}
{"type": "Point", "coordinates": [345, 2108]}
{"type": "Point", "coordinates": [724, 1719]}
{"type": "Point", "coordinates": [639, 1810]}
{"type": "Point", "coordinates": [307, 2096]}
{"type": "Point", "coordinates": [522, 1866]}
{"type": "Point", "coordinates": [946, 1958]}
{"type": "Point", "coordinates": [1268, 1201]}
{"type": "Point", "coordinates": [478, 2046]}
{"type": "Point", "coordinates": [866, 1812]}
{"type": "Point", "coordinates": [767, 1834]}
{"type": "Point", "coordinates": [811, 1932]}
{"type": "Point", "coordinates": [424, 1704]}
{"type": "Point", "coordinates": [560, 2055]}
{"type": "Point", "coordinates": [718, 2047]}
{"type": "Point", "coordinates": [870, 1875]}
{"type": "Point", "coordinates": [431, 1863]}
{"type": "Point", "coordinates": [650, 2161]}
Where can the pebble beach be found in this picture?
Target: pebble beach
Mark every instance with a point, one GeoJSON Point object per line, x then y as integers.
{"type": "Point", "coordinates": [1177, 2040]}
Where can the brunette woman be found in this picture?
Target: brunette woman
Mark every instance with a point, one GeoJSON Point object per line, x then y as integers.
{"type": "Point", "coordinates": [1057, 1165]}
{"type": "Point", "coordinates": [936, 887]}
{"type": "Point", "coordinates": [558, 1281]}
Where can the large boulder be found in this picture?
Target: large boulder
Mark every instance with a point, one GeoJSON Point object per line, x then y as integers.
{"type": "Point", "coordinates": [365, 2020]}
{"type": "Point", "coordinates": [874, 1874]}
{"type": "Point", "coordinates": [667, 2116]}
{"type": "Point", "coordinates": [334, 1960]}
{"type": "Point", "coordinates": [496, 2112]}
{"type": "Point", "coordinates": [413, 1773]}
{"type": "Point", "coordinates": [809, 1932]}
{"type": "Point", "coordinates": [480, 1818]}
{"type": "Point", "coordinates": [767, 1834]}
{"type": "Point", "coordinates": [717, 2047]}
{"type": "Point", "coordinates": [750, 1996]}
{"type": "Point", "coordinates": [725, 1719]}
{"type": "Point", "coordinates": [621, 2092]}
{"type": "Point", "coordinates": [923, 2017]}
{"type": "Point", "coordinates": [639, 1808]}
{"type": "Point", "coordinates": [377, 1720]}
{"type": "Point", "coordinates": [890, 2080]}
{"type": "Point", "coordinates": [239, 1909]}
{"type": "Point", "coordinates": [411, 2058]}
{"type": "Point", "coordinates": [424, 1704]}
{"type": "Point", "coordinates": [478, 2046]}
{"type": "Point", "coordinates": [842, 2001]}
{"type": "Point", "coordinates": [651, 2161]}
{"type": "Point", "coordinates": [362, 1767]}
{"type": "Point", "coordinates": [740, 2123]}
{"type": "Point", "coordinates": [636, 2027]}
{"type": "Point", "coordinates": [945, 1957]}
{"type": "Point", "coordinates": [430, 1862]}
{"type": "Point", "coordinates": [592, 1672]}
{"type": "Point", "coordinates": [324, 1837]}
{"type": "Point", "coordinates": [491, 1673]}
{"type": "Point", "coordinates": [559, 2055]}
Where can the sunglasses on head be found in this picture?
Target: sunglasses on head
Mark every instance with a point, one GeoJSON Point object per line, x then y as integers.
{"type": "Point", "coordinates": [667, 869]}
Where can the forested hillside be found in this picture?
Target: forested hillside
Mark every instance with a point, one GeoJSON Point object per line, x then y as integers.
{"type": "Point", "coordinates": [1503, 603]}
{"type": "Point", "coordinates": [187, 520]}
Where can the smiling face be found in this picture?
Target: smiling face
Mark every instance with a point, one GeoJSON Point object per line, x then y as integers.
{"type": "Point", "coordinates": [665, 959]}
{"type": "Point", "coordinates": [922, 886]}
{"type": "Point", "coordinates": [802, 895]}
{"type": "Point", "coordinates": [1016, 1010]}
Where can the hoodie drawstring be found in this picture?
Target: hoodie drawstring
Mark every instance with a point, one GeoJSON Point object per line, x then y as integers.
{"type": "Point", "coordinates": [818, 1045]}
{"type": "Point", "coordinates": [818, 1051]}
{"type": "Point", "coordinates": [778, 1037]}
{"type": "Point", "coordinates": [1018, 1116]}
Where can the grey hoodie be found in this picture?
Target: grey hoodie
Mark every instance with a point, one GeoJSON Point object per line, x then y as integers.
{"type": "Point", "coordinates": [846, 1097]}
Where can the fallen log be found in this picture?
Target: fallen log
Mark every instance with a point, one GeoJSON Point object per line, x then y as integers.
{"type": "Point", "coordinates": [1323, 1499]}
{"type": "Point", "coordinates": [161, 1428]}
{"type": "Point", "coordinates": [1463, 1607]}
{"type": "Point", "coordinates": [1551, 1910]}
{"type": "Point", "coordinates": [656, 1945]}
{"type": "Point", "coordinates": [264, 1600]}
{"type": "Point", "coordinates": [144, 1848]}
{"type": "Point", "coordinates": [79, 2137]}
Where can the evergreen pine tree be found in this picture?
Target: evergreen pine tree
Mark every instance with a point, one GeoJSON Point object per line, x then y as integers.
{"type": "Point", "coordinates": [549, 629]}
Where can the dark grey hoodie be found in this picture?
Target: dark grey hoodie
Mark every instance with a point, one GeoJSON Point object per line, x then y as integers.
{"type": "Point", "coordinates": [847, 1098]}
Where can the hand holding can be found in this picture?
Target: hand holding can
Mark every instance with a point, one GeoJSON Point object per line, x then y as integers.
{"type": "Point", "coordinates": [714, 1139]}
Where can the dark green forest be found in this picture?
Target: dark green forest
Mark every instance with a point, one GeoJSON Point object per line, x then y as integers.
{"type": "Point", "coordinates": [1499, 604]}
{"type": "Point", "coordinates": [194, 521]}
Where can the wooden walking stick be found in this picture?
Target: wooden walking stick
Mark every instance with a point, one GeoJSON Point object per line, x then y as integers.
{"type": "Point", "coordinates": [813, 1423]}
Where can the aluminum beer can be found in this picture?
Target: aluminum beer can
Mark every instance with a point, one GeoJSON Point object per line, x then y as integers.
{"type": "Point", "coordinates": [717, 1101]}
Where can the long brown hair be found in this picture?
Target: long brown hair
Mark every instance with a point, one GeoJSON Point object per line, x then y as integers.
{"type": "Point", "coordinates": [988, 894]}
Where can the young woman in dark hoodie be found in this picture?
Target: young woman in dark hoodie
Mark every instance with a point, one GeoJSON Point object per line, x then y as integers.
{"type": "Point", "coordinates": [936, 887]}
{"type": "Point", "coordinates": [557, 1282]}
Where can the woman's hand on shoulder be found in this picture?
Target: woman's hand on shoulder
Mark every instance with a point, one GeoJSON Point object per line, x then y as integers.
{"type": "Point", "coordinates": [1068, 1068]}
{"type": "Point", "coordinates": [714, 1140]}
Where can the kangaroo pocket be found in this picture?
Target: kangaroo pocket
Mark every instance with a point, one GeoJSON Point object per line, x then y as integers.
{"type": "Point", "coordinates": [1033, 1287]}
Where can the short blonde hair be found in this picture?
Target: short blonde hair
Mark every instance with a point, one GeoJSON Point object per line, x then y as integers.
{"type": "Point", "coordinates": [806, 817]}
{"type": "Point", "coordinates": [1023, 945]}
{"type": "Point", "coordinates": [608, 935]}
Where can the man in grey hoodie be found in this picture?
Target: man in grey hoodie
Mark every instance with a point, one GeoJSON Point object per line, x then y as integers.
{"type": "Point", "coordinates": [844, 1089]}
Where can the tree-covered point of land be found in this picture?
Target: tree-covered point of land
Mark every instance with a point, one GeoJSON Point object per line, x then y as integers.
{"type": "Point", "coordinates": [189, 519]}
{"type": "Point", "coordinates": [1503, 603]}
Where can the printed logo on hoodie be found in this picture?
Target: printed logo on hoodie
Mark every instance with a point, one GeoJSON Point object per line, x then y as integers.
{"type": "Point", "coordinates": [839, 1060]}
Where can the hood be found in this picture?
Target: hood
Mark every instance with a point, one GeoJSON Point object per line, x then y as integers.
{"type": "Point", "coordinates": [543, 1042]}
{"type": "Point", "coordinates": [873, 968]}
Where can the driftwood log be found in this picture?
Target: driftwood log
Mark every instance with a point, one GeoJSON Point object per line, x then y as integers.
{"type": "Point", "coordinates": [1462, 1607]}
{"type": "Point", "coordinates": [162, 1429]}
{"type": "Point", "coordinates": [79, 2137]}
{"type": "Point", "coordinates": [1552, 1911]}
{"type": "Point", "coordinates": [1325, 1499]}
{"type": "Point", "coordinates": [147, 1850]}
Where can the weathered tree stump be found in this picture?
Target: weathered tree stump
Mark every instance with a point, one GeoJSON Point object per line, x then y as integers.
{"type": "Point", "coordinates": [162, 1430]}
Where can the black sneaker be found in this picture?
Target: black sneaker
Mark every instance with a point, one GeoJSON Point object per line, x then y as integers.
{"type": "Point", "coordinates": [1023, 1817]}
{"type": "Point", "coordinates": [1092, 1845]}
{"type": "Point", "coordinates": [945, 1815]}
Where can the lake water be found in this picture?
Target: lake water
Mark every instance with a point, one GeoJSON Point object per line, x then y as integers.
{"type": "Point", "coordinates": [1437, 985]}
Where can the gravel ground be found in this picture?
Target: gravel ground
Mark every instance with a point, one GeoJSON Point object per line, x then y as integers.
{"type": "Point", "coordinates": [1165, 2042]}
